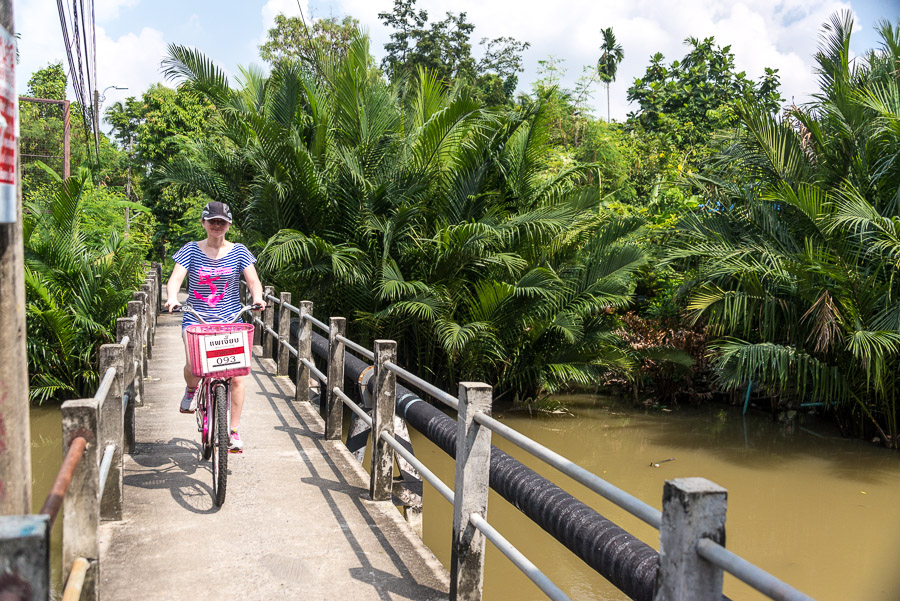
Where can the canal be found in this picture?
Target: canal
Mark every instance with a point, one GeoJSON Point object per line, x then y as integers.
{"type": "Point", "coordinates": [818, 511]}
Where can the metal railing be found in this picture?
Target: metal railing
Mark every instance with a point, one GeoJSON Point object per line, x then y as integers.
{"type": "Point", "coordinates": [88, 487]}
{"type": "Point", "coordinates": [691, 523]}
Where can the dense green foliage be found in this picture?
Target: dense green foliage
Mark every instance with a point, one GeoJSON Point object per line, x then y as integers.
{"type": "Point", "coordinates": [423, 217]}
{"type": "Point", "coordinates": [797, 249]}
{"type": "Point", "coordinates": [155, 129]}
{"type": "Point", "coordinates": [443, 48]}
{"type": "Point", "coordinates": [79, 275]}
{"type": "Point", "coordinates": [706, 245]}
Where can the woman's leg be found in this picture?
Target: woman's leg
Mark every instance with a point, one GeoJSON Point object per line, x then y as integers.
{"type": "Point", "coordinates": [189, 378]}
{"type": "Point", "coordinates": [237, 400]}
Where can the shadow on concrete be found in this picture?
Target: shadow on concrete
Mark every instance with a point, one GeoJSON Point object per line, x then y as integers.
{"type": "Point", "coordinates": [173, 468]}
{"type": "Point", "coordinates": [385, 584]}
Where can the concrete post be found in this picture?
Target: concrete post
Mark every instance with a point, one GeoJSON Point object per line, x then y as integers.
{"type": "Point", "coordinates": [126, 327]}
{"type": "Point", "coordinates": [81, 506]}
{"type": "Point", "coordinates": [25, 557]}
{"type": "Point", "coordinates": [145, 335]}
{"type": "Point", "coordinates": [382, 477]}
{"type": "Point", "coordinates": [304, 351]}
{"type": "Point", "coordinates": [153, 302]}
{"type": "Point", "coordinates": [268, 319]}
{"type": "Point", "coordinates": [147, 288]}
{"type": "Point", "coordinates": [333, 410]}
{"type": "Point", "coordinates": [284, 334]}
{"type": "Point", "coordinates": [136, 310]}
{"type": "Point", "coordinates": [15, 458]}
{"type": "Point", "coordinates": [693, 509]}
{"type": "Point", "coordinates": [473, 463]}
{"type": "Point", "coordinates": [159, 277]}
{"type": "Point", "coordinates": [112, 356]}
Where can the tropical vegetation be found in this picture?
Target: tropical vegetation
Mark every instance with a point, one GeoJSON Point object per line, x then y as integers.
{"type": "Point", "coordinates": [709, 244]}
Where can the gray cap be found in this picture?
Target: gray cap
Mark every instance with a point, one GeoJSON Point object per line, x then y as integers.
{"type": "Point", "coordinates": [217, 210]}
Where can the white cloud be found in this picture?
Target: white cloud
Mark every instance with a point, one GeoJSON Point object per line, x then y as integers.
{"type": "Point", "coordinates": [131, 61]}
{"type": "Point", "coordinates": [108, 10]}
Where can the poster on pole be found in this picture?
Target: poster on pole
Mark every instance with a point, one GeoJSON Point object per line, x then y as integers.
{"type": "Point", "coordinates": [9, 127]}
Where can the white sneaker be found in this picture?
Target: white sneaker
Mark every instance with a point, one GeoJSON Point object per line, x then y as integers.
{"type": "Point", "coordinates": [187, 401]}
{"type": "Point", "coordinates": [236, 445]}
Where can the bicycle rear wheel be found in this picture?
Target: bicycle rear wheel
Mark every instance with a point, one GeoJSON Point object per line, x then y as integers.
{"type": "Point", "coordinates": [220, 442]}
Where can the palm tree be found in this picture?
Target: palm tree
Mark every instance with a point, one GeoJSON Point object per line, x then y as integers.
{"type": "Point", "coordinates": [423, 216]}
{"type": "Point", "coordinates": [608, 64]}
{"type": "Point", "coordinates": [797, 254]}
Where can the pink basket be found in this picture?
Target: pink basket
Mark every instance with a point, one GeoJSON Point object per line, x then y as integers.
{"type": "Point", "coordinates": [220, 349]}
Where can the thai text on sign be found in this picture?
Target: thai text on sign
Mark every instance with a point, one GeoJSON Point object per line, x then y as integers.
{"type": "Point", "coordinates": [219, 352]}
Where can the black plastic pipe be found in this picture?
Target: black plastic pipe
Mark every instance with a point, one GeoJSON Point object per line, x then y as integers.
{"type": "Point", "coordinates": [627, 562]}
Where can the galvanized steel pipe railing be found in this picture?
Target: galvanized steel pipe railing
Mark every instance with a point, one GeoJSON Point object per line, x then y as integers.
{"type": "Point", "coordinates": [621, 558]}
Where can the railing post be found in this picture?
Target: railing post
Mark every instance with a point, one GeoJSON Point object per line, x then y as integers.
{"type": "Point", "coordinates": [25, 557]}
{"type": "Point", "coordinates": [112, 356]}
{"type": "Point", "coordinates": [693, 509]}
{"type": "Point", "coordinates": [159, 288]}
{"type": "Point", "coordinates": [304, 351]}
{"type": "Point", "coordinates": [147, 288]}
{"type": "Point", "coordinates": [473, 463]}
{"type": "Point", "coordinates": [382, 477]}
{"type": "Point", "coordinates": [127, 327]}
{"type": "Point", "coordinates": [136, 310]}
{"type": "Point", "coordinates": [284, 334]}
{"type": "Point", "coordinates": [81, 506]}
{"type": "Point", "coordinates": [334, 408]}
{"type": "Point", "coordinates": [268, 319]}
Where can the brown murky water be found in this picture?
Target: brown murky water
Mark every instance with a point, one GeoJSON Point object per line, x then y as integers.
{"type": "Point", "coordinates": [820, 512]}
{"type": "Point", "coordinates": [815, 510]}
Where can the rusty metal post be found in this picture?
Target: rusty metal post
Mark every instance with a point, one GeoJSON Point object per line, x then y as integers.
{"type": "Point", "coordinates": [284, 334]}
{"type": "Point", "coordinates": [304, 351]}
{"type": "Point", "coordinates": [25, 557]}
{"type": "Point", "coordinates": [127, 327]}
{"type": "Point", "coordinates": [15, 458]}
{"type": "Point", "coordinates": [333, 409]}
{"type": "Point", "coordinates": [112, 356]}
{"type": "Point", "coordinates": [268, 320]}
{"type": "Point", "coordinates": [693, 509]}
{"type": "Point", "coordinates": [382, 476]}
{"type": "Point", "coordinates": [473, 463]}
{"type": "Point", "coordinates": [81, 506]}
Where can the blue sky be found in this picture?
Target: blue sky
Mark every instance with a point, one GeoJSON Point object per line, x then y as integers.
{"type": "Point", "coordinates": [132, 35]}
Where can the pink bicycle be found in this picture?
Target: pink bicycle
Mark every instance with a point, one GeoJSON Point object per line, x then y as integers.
{"type": "Point", "coordinates": [217, 352]}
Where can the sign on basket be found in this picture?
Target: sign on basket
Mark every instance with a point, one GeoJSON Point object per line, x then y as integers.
{"type": "Point", "coordinates": [219, 352]}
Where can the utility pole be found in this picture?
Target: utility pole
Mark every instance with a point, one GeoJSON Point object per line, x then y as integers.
{"type": "Point", "coordinates": [97, 125]}
{"type": "Point", "coordinates": [15, 433]}
{"type": "Point", "coordinates": [128, 182]}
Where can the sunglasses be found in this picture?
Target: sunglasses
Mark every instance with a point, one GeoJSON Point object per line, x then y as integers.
{"type": "Point", "coordinates": [217, 222]}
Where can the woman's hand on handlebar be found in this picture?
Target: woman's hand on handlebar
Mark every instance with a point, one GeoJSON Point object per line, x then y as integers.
{"type": "Point", "coordinates": [172, 304]}
{"type": "Point", "coordinates": [259, 304]}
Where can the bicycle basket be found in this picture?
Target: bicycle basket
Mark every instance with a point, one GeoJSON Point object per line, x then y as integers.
{"type": "Point", "coordinates": [220, 349]}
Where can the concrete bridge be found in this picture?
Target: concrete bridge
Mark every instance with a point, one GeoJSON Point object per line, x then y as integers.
{"type": "Point", "coordinates": [297, 522]}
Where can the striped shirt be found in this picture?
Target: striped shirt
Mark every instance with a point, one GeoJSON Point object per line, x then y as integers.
{"type": "Point", "coordinates": [213, 284]}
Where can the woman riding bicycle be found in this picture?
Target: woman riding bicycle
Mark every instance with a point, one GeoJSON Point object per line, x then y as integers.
{"type": "Point", "coordinates": [214, 267]}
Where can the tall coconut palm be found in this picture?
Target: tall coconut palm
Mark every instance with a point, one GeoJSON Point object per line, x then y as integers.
{"type": "Point", "coordinates": [423, 216]}
{"type": "Point", "coordinates": [608, 65]}
{"type": "Point", "coordinates": [797, 252]}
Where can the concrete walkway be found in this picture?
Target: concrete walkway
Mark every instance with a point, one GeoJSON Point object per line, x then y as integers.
{"type": "Point", "coordinates": [296, 523]}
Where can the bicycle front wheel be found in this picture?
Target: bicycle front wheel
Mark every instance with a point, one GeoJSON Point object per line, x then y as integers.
{"type": "Point", "coordinates": [220, 443]}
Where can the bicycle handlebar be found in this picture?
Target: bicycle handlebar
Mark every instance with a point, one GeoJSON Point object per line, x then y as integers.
{"type": "Point", "coordinates": [179, 308]}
